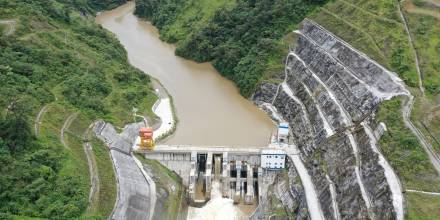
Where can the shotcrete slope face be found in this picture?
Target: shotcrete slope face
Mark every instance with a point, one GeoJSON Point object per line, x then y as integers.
{"type": "Point", "coordinates": [329, 97]}
{"type": "Point", "coordinates": [209, 108]}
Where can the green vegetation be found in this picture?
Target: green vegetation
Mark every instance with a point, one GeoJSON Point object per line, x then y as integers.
{"type": "Point", "coordinates": [243, 39]}
{"type": "Point", "coordinates": [169, 189]}
{"type": "Point", "coordinates": [422, 206]}
{"type": "Point", "coordinates": [423, 22]}
{"type": "Point", "coordinates": [426, 32]}
{"type": "Point", "coordinates": [375, 28]}
{"type": "Point", "coordinates": [404, 151]}
{"type": "Point", "coordinates": [107, 186]}
{"type": "Point", "coordinates": [57, 57]}
{"type": "Point", "coordinates": [247, 41]}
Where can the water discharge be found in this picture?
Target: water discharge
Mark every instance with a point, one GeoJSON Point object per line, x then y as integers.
{"type": "Point", "coordinates": [209, 108]}
{"type": "Point", "coordinates": [217, 208]}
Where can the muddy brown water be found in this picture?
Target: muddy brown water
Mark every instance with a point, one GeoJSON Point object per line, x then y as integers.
{"type": "Point", "coordinates": [209, 108]}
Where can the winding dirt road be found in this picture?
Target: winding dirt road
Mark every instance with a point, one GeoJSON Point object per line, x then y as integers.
{"type": "Point", "coordinates": [406, 112]}
{"type": "Point", "coordinates": [11, 26]}
{"type": "Point", "coordinates": [93, 169]}
{"type": "Point", "coordinates": [411, 43]}
{"type": "Point", "coordinates": [38, 119]}
{"type": "Point", "coordinates": [66, 125]}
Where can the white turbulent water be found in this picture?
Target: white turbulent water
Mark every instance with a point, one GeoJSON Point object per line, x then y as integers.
{"type": "Point", "coordinates": [218, 208]}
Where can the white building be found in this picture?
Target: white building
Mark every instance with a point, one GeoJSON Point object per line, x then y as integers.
{"type": "Point", "coordinates": [273, 159]}
{"type": "Point", "coordinates": [283, 132]}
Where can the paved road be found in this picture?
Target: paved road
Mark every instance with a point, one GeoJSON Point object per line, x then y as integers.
{"type": "Point", "coordinates": [135, 199]}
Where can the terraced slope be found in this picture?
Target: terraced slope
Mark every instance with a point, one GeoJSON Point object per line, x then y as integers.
{"type": "Point", "coordinates": [376, 28]}
{"type": "Point", "coordinates": [330, 96]}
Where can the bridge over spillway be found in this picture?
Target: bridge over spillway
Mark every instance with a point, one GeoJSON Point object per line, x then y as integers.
{"type": "Point", "coordinates": [238, 168]}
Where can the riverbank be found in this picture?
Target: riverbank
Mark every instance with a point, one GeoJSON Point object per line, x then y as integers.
{"type": "Point", "coordinates": [165, 110]}
{"type": "Point", "coordinates": [207, 104]}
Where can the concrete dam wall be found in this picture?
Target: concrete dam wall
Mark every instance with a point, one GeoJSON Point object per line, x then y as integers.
{"type": "Point", "coordinates": [329, 96]}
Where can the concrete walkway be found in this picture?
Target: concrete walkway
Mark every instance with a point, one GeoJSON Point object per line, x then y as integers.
{"type": "Point", "coordinates": [423, 192]}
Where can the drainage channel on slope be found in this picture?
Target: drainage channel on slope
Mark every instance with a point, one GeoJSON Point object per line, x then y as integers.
{"type": "Point", "coordinates": [391, 177]}
{"type": "Point", "coordinates": [348, 122]}
{"type": "Point", "coordinates": [313, 204]}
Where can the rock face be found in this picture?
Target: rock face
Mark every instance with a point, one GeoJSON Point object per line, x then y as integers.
{"type": "Point", "coordinates": [282, 191]}
{"type": "Point", "coordinates": [329, 89]}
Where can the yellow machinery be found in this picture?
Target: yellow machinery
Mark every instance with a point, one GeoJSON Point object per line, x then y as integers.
{"type": "Point", "coordinates": [147, 142]}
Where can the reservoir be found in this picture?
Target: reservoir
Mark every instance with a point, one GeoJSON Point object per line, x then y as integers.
{"type": "Point", "coordinates": [209, 107]}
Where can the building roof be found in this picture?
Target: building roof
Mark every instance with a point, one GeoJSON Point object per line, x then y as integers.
{"type": "Point", "coordinates": [283, 125]}
{"type": "Point", "coordinates": [283, 129]}
{"type": "Point", "coordinates": [272, 151]}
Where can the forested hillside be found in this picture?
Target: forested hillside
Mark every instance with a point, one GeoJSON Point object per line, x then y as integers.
{"type": "Point", "coordinates": [59, 72]}
{"type": "Point", "coordinates": [243, 39]}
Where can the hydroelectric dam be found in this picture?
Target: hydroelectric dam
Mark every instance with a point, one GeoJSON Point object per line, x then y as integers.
{"type": "Point", "coordinates": [239, 169]}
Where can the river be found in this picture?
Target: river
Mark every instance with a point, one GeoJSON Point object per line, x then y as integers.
{"type": "Point", "coordinates": [209, 108]}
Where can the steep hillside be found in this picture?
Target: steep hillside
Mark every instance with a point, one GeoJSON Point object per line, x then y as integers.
{"type": "Point", "coordinates": [59, 72]}
{"type": "Point", "coordinates": [242, 39]}
{"type": "Point", "coordinates": [378, 29]}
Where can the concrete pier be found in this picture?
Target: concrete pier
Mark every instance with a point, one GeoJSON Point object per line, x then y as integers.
{"type": "Point", "coordinates": [192, 176]}
{"type": "Point", "coordinates": [226, 187]}
{"type": "Point", "coordinates": [249, 197]}
{"type": "Point", "coordinates": [208, 177]}
{"type": "Point", "coordinates": [237, 194]}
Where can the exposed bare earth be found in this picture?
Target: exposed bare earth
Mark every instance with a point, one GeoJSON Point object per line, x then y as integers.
{"type": "Point", "coordinates": [436, 3]}
{"type": "Point", "coordinates": [430, 11]}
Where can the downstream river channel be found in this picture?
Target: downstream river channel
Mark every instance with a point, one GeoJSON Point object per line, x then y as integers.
{"type": "Point", "coordinates": [209, 108]}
